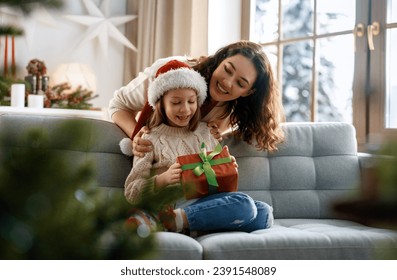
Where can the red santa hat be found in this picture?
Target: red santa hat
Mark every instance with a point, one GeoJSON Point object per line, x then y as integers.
{"type": "Point", "coordinates": [173, 75]}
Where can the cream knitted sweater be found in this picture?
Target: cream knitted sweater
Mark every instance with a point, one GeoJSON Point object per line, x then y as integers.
{"type": "Point", "coordinates": [168, 143]}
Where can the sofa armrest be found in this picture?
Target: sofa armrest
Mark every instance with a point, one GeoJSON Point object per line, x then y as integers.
{"type": "Point", "coordinates": [367, 160]}
{"type": "Point", "coordinates": [369, 173]}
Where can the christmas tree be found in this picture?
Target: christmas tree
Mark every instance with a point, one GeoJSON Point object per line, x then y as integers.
{"type": "Point", "coordinates": [50, 209]}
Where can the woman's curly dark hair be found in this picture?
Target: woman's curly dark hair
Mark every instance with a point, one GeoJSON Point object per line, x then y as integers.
{"type": "Point", "coordinates": [259, 115]}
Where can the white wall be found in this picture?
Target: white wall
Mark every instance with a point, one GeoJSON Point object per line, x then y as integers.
{"type": "Point", "coordinates": [56, 45]}
{"type": "Point", "coordinates": [224, 23]}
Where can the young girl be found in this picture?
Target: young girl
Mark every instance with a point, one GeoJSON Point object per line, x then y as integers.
{"type": "Point", "coordinates": [176, 95]}
{"type": "Point", "coordinates": [242, 95]}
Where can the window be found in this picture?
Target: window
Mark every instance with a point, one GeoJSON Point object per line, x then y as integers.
{"type": "Point", "coordinates": [334, 60]}
{"type": "Point", "coordinates": [382, 88]}
{"type": "Point", "coordinates": [391, 65]}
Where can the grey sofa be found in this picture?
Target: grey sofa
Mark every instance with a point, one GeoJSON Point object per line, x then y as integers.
{"type": "Point", "coordinates": [315, 167]}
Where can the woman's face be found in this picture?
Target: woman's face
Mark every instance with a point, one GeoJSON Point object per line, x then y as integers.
{"type": "Point", "coordinates": [180, 106]}
{"type": "Point", "coordinates": [233, 78]}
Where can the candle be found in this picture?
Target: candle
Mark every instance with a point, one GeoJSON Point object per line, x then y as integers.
{"type": "Point", "coordinates": [35, 101]}
{"type": "Point", "coordinates": [13, 67]}
{"type": "Point", "coordinates": [18, 95]}
{"type": "Point", "coordinates": [6, 57]}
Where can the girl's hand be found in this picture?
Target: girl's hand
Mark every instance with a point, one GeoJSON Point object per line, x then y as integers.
{"type": "Point", "coordinates": [215, 130]}
{"type": "Point", "coordinates": [141, 146]}
{"type": "Point", "coordinates": [169, 177]}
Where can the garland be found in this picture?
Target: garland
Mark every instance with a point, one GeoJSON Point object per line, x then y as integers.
{"type": "Point", "coordinates": [58, 96]}
{"type": "Point", "coordinates": [78, 99]}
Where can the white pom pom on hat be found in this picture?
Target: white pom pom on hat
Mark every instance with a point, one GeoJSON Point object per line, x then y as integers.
{"type": "Point", "coordinates": [173, 75]}
{"type": "Point", "coordinates": [126, 146]}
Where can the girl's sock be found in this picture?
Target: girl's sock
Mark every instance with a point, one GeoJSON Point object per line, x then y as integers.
{"type": "Point", "coordinates": [178, 220]}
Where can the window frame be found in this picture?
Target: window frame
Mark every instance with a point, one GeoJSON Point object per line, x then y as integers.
{"type": "Point", "coordinates": [377, 131]}
{"type": "Point", "coordinates": [369, 80]}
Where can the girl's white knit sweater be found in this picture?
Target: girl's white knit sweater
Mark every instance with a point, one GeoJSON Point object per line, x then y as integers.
{"type": "Point", "coordinates": [168, 143]}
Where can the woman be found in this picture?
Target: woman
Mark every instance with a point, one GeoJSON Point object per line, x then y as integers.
{"type": "Point", "coordinates": [243, 97]}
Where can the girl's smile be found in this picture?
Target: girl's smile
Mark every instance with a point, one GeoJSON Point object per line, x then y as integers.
{"type": "Point", "coordinates": [180, 105]}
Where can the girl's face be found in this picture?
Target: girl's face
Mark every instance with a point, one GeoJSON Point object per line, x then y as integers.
{"type": "Point", "coordinates": [180, 106]}
{"type": "Point", "coordinates": [233, 78]}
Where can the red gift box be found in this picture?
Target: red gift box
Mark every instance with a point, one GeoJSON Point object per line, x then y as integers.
{"type": "Point", "coordinates": [208, 172]}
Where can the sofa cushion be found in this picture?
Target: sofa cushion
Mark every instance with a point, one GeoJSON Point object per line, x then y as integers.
{"type": "Point", "coordinates": [308, 172]}
{"type": "Point", "coordinates": [302, 239]}
{"type": "Point", "coordinates": [176, 246]}
{"type": "Point", "coordinates": [100, 148]}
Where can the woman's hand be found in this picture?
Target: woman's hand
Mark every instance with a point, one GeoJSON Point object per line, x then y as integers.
{"type": "Point", "coordinates": [169, 177]}
{"type": "Point", "coordinates": [141, 146]}
{"type": "Point", "coordinates": [234, 162]}
{"type": "Point", "coordinates": [232, 158]}
{"type": "Point", "coordinates": [215, 130]}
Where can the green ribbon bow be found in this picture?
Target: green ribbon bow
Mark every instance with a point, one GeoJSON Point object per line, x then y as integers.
{"type": "Point", "coordinates": [206, 165]}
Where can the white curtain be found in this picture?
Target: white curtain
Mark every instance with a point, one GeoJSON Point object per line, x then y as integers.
{"type": "Point", "coordinates": [165, 28]}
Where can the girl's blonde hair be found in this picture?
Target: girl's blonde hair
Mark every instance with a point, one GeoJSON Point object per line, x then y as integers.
{"type": "Point", "coordinates": [159, 117]}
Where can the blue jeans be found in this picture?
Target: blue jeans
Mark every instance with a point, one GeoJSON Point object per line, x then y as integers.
{"type": "Point", "coordinates": [228, 211]}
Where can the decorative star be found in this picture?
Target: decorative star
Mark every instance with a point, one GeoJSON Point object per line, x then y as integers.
{"type": "Point", "coordinates": [101, 26]}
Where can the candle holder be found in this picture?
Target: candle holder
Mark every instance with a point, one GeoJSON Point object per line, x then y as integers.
{"type": "Point", "coordinates": [37, 78]}
{"type": "Point", "coordinates": [38, 84]}
{"type": "Point", "coordinates": [32, 81]}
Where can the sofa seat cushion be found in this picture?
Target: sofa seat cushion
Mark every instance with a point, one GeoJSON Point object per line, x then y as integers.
{"type": "Point", "coordinates": [302, 239]}
{"type": "Point", "coordinates": [176, 246]}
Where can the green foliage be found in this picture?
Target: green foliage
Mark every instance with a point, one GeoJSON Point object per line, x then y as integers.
{"type": "Point", "coordinates": [27, 6]}
{"type": "Point", "coordinates": [10, 30]}
{"type": "Point", "coordinates": [386, 175]}
{"type": "Point", "coordinates": [154, 201]}
{"type": "Point", "coordinates": [50, 207]}
{"type": "Point", "coordinates": [387, 172]}
{"type": "Point", "coordinates": [5, 89]}
{"type": "Point", "coordinates": [56, 97]}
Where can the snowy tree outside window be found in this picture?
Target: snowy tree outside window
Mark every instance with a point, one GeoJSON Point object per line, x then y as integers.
{"type": "Point", "coordinates": [312, 47]}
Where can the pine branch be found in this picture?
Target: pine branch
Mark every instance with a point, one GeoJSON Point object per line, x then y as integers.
{"type": "Point", "coordinates": [10, 30]}
{"type": "Point", "coordinates": [60, 97]}
{"type": "Point", "coordinates": [27, 6]}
